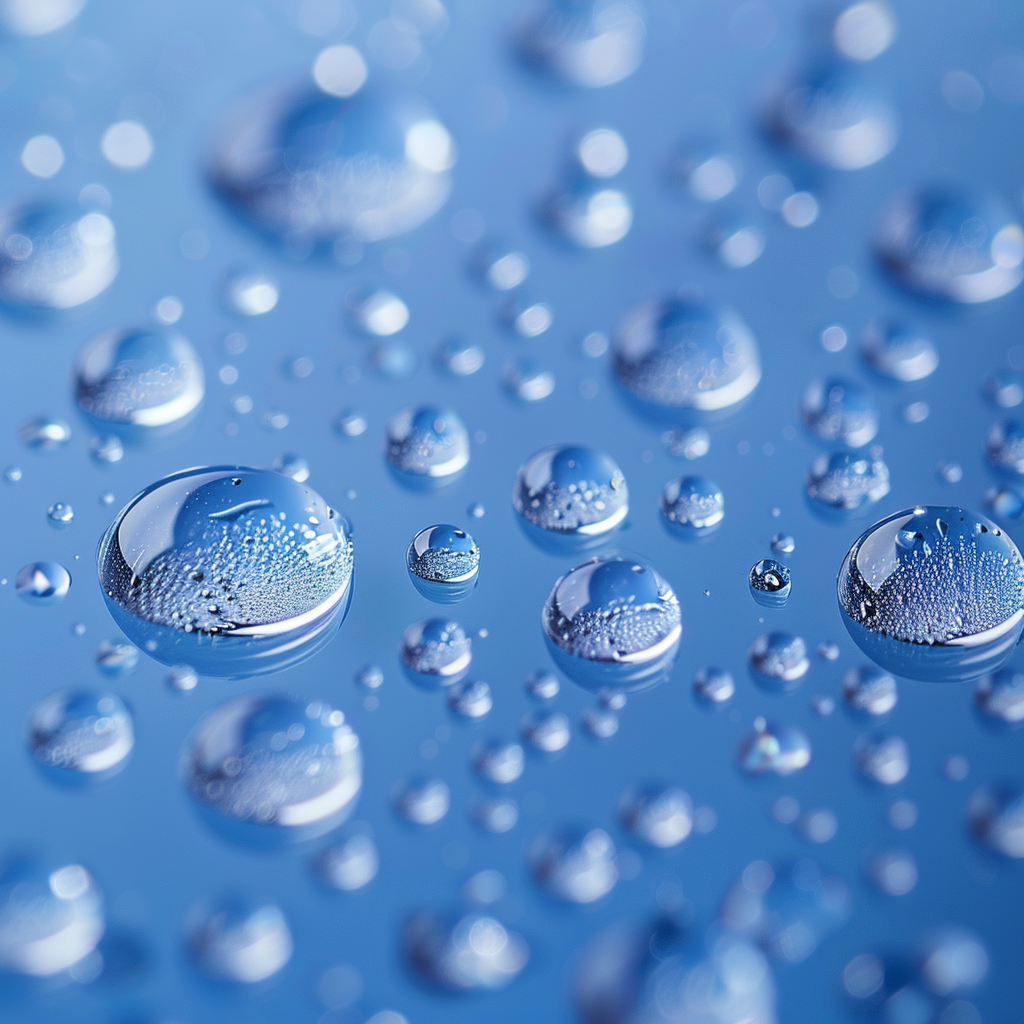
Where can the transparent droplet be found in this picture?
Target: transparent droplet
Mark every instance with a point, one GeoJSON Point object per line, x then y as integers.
{"type": "Point", "coordinates": [525, 317]}
{"type": "Point", "coordinates": [528, 380]}
{"type": "Point", "coordinates": [706, 170]}
{"type": "Point", "coordinates": [783, 544]}
{"type": "Point", "coordinates": [377, 312]}
{"type": "Point", "coordinates": [350, 423]}
{"type": "Point", "coordinates": [951, 243]}
{"type": "Point", "coordinates": [899, 351]}
{"type": "Point", "coordinates": [470, 699]}
{"type": "Point", "coordinates": [569, 498]}
{"type": "Point", "coordinates": [934, 593]}
{"type": "Point", "coordinates": [656, 814]}
{"type": "Point", "coordinates": [443, 563]}
{"type": "Point", "coordinates": [1004, 447]}
{"type": "Point", "coordinates": [691, 443]}
{"type": "Point", "coordinates": [349, 865]}
{"type": "Point", "coordinates": [713, 687]}
{"type": "Point", "coordinates": [1005, 389]}
{"type": "Point", "coordinates": [42, 583]}
{"type": "Point", "coordinates": [44, 434]}
{"type": "Point", "coordinates": [542, 685]}
{"type": "Point", "coordinates": [547, 732]}
{"type": "Point", "coordinates": [588, 213]}
{"type": "Point", "coordinates": [81, 734]}
{"type": "Point", "coordinates": [106, 449]}
{"type": "Point", "coordinates": [1000, 697]}
{"type": "Point", "coordinates": [182, 678]}
{"type": "Point", "coordinates": [460, 358]}
{"type": "Point", "coordinates": [501, 267]}
{"type": "Point", "coordinates": [499, 762]}
{"type": "Point", "coordinates": [234, 571]}
{"type": "Point", "coordinates": [601, 723]}
{"type": "Point", "coordinates": [952, 960]}
{"type": "Point", "coordinates": [770, 583]}
{"type": "Point", "coordinates": [869, 692]}
{"type": "Point", "coordinates": [864, 30]}
{"type": "Point", "coordinates": [436, 653]}
{"type": "Point", "coordinates": [116, 660]}
{"type": "Point", "coordinates": [692, 507]}
{"type": "Point", "coordinates": [774, 748]}
{"type": "Point", "coordinates": [497, 816]}
{"type": "Point", "coordinates": [139, 382]}
{"type": "Point", "coordinates": [237, 939]}
{"type": "Point", "coordinates": [292, 466]}
{"type": "Point", "coordinates": [612, 622]}
{"type": "Point", "coordinates": [60, 515]}
{"type": "Point", "coordinates": [422, 801]}
{"type": "Point", "coordinates": [841, 484]}
{"type": "Point", "coordinates": [575, 864]}
{"type": "Point", "coordinates": [882, 758]}
{"type": "Point", "coordinates": [38, 17]}
{"type": "Point", "coordinates": [837, 410]}
{"type": "Point", "coordinates": [427, 447]}
{"type": "Point", "coordinates": [996, 814]}
{"type": "Point", "coordinates": [894, 872]}
{"type": "Point", "coordinates": [779, 661]}
{"type": "Point", "coordinates": [733, 240]}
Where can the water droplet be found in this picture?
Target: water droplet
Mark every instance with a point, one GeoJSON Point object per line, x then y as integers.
{"type": "Point", "coordinates": [81, 734]}
{"type": "Point", "coordinates": [601, 723]}
{"type": "Point", "coordinates": [951, 960]}
{"type": "Point", "coordinates": [676, 359]}
{"type": "Point", "coordinates": [460, 358]}
{"type": "Point", "coordinates": [435, 653]}
{"type": "Point", "coordinates": [1000, 697]}
{"type": "Point", "coordinates": [934, 593]}
{"type": "Point", "coordinates": [499, 762]}
{"type": "Point", "coordinates": [427, 447]}
{"type": "Point", "coordinates": [569, 498]}
{"type": "Point", "coordinates": [377, 312]}
{"type": "Point", "coordinates": [527, 318]}
{"type": "Point", "coordinates": [864, 30]}
{"type": "Point", "coordinates": [238, 940]}
{"type": "Point", "coordinates": [234, 571]}
{"type": "Point", "coordinates": [54, 257]}
{"type": "Point", "coordinates": [612, 622]}
{"type": "Point", "coordinates": [443, 563]}
{"type": "Point", "coordinates": [836, 118]}
{"type": "Point", "coordinates": [1005, 389]}
{"type": "Point", "coordinates": [42, 583]}
{"type": "Point", "coordinates": [779, 661]}
{"type": "Point", "coordinates": [590, 44]}
{"type": "Point", "coordinates": [273, 770]}
{"type": "Point", "coordinates": [585, 210]}
{"type": "Point", "coordinates": [868, 691]}
{"type": "Point", "coordinates": [60, 515]}
{"type": "Point", "coordinates": [348, 865]}
{"type": "Point", "coordinates": [733, 239]}
{"type": "Point", "coordinates": [369, 677]}
{"type": "Point", "coordinates": [882, 758]}
{"type": "Point", "coordinates": [116, 660]}
{"type": "Point", "coordinates": [312, 169]}
{"type": "Point", "coordinates": [839, 411]}
{"type": "Point", "coordinates": [498, 815]}
{"type": "Point", "coordinates": [548, 731]}
{"type": "Point", "coordinates": [1004, 447]}
{"type": "Point", "coordinates": [500, 266]}
{"type": "Point", "coordinates": [422, 801]}
{"type": "Point", "coordinates": [894, 872]}
{"type": "Point", "coordinates": [467, 953]}
{"type": "Point", "coordinates": [770, 583]}
{"type": "Point", "coordinates": [708, 172]}
{"type": "Point", "coordinates": [106, 449]}
{"type": "Point", "coordinates": [692, 507]}
{"type": "Point", "coordinates": [542, 685]}
{"type": "Point", "coordinates": [693, 443]}
{"type": "Point", "coordinates": [996, 814]}
{"type": "Point", "coordinates": [774, 748]}
{"type": "Point", "coordinates": [713, 687]}
{"type": "Point", "coordinates": [656, 814]}
{"type": "Point", "coordinates": [251, 294]}
{"type": "Point", "coordinates": [951, 243]}
{"type": "Point", "coordinates": [841, 484]}
{"type": "Point", "coordinates": [43, 434]}
{"type": "Point", "coordinates": [783, 544]}
{"type": "Point", "coordinates": [899, 351]}
{"type": "Point", "coordinates": [470, 699]}
{"type": "Point", "coordinates": [292, 466]}
{"type": "Point", "coordinates": [182, 678]}
{"type": "Point", "coordinates": [350, 423]}
{"type": "Point", "coordinates": [51, 918]}
{"type": "Point", "coordinates": [575, 864]}
{"type": "Point", "coordinates": [527, 380]}
{"type": "Point", "coordinates": [12, 474]}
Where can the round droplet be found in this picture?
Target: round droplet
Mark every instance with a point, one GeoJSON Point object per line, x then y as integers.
{"type": "Point", "coordinates": [574, 864]}
{"type": "Point", "coordinates": [996, 814]}
{"type": "Point", "coordinates": [458, 357]}
{"type": "Point", "coordinates": [443, 563]}
{"type": "Point", "coordinates": [427, 447]}
{"type": "Point", "coordinates": [435, 653]}
{"type": "Point", "coordinates": [837, 118]}
{"type": "Point", "coordinates": [894, 872]}
{"type": "Point", "coordinates": [312, 169]}
{"type": "Point", "coordinates": [770, 583]}
{"type": "Point", "coordinates": [657, 815]}
{"type": "Point", "coordinates": [589, 214]}
{"type": "Point", "coordinates": [569, 498]}
{"type": "Point", "coordinates": [733, 240]}
{"type": "Point", "coordinates": [116, 660]}
{"type": "Point", "coordinates": [273, 769]}
{"type": "Point", "coordinates": [527, 380]}
{"type": "Point", "coordinates": [239, 940]}
{"type": "Point", "coordinates": [35, 18]}
{"type": "Point", "coordinates": [60, 515]}
{"type": "Point", "coordinates": [542, 685]}
{"type": "Point", "coordinates": [951, 243]}
{"type": "Point", "coordinates": [497, 816]}
{"type": "Point", "coordinates": [548, 732]}
{"type": "Point", "coordinates": [864, 30]}
{"type": "Point", "coordinates": [106, 449]}
{"type": "Point", "coordinates": [464, 954]}
{"type": "Point", "coordinates": [779, 661]}
{"type": "Point", "coordinates": [839, 411]}
{"type": "Point", "coordinates": [292, 466]}
{"type": "Point", "coordinates": [882, 758]}
{"type": "Point", "coordinates": [43, 434]}
{"type": "Point", "coordinates": [233, 571]}
{"type": "Point", "coordinates": [42, 583]}
{"type": "Point", "coordinates": [139, 381]}
{"type": "Point", "coordinates": [500, 762]}
{"type": "Point", "coordinates": [586, 43]}
{"type": "Point", "coordinates": [613, 622]}
{"type": "Point", "coordinates": [869, 692]}
{"type": "Point", "coordinates": [500, 266]}
{"type": "Point", "coordinates": [774, 748]}
{"type": "Point", "coordinates": [934, 593]}
{"type": "Point", "coordinates": [1000, 697]}
{"type": "Point", "coordinates": [470, 699]}
{"type": "Point", "coordinates": [713, 687]}
{"type": "Point", "coordinates": [54, 257]}
{"type": "Point", "coordinates": [51, 918]}
{"type": "Point", "coordinates": [423, 801]}
{"type": "Point", "coordinates": [692, 507]}
{"type": "Point", "coordinates": [251, 294]}
{"type": "Point", "coordinates": [842, 484]}
{"type": "Point", "coordinates": [81, 734]}
{"type": "Point", "coordinates": [182, 678]}
{"type": "Point", "coordinates": [678, 359]}
{"type": "Point", "coordinates": [899, 351]}
{"type": "Point", "coordinates": [951, 961]}
{"type": "Point", "coordinates": [706, 170]}
{"type": "Point", "coordinates": [348, 865]}
{"type": "Point", "coordinates": [601, 723]}
{"type": "Point", "coordinates": [1004, 447]}
{"type": "Point", "coordinates": [783, 544]}
{"type": "Point", "coordinates": [377, 312]}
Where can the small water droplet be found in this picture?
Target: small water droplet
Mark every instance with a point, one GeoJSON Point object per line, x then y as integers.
{"type": "Point", "coordinates": [81, 734]}
{"type": "Point", "coordinates": [42, 583]}
{"type": "Point", "coordinates": [60, 515]}
{"type": "Point", "coordinates": [238, 940]}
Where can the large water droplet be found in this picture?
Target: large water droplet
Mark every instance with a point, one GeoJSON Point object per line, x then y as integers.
{"type": "Point", "coordinates": [837, 410]}
{"type": "Point", "coordinates": [899, 351]}
{"type": "Point", "coordinates": [575, 864]}
{"type": "Point", "coordinates": [443, 563]}
{"type": "Point", "coordinates": [435, 653]}
{"type": "Point", "coordinates": [42, 583]}
{"type": "Point", "coordinates": [233, 571]}
{"type": "Point", "coordinates": [77, 734]}
{"type": "Point", "coordinates": [692, 507]}
{"type": "Point", "coordinates": [774, 748]}
{"type": "Point", "coordinates": [842, 484]}
{"type": "Point", "coordinates": [934, 593]}
{"type": "Point", "coordinates": [427, 447]}
{"type": "Point", "coordinates": [239, 940]}
{"type": "Point", "coordinates": [612, 622]}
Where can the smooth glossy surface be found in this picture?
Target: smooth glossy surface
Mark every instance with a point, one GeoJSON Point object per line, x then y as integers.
{"type": "Point", "coordinates": [443, 563]}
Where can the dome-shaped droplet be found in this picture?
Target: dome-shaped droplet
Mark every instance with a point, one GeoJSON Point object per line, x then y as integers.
{"type": "Point", "coordinates": [934, 593]}
{"type": "Point", "coordinates": [779, 661]}
{"type": "Point", "coordinates": [1000, 697]}
{"type": "Point", "coordinates": [527, 380]}
{"type": "Point", "coordinates": [42, 583]}
{"type": "Point", "coordinates": [349, 865]}
{"type": "Point", "coordinates": [38, 17]}
{"type": "Point", "coordinates": [443, 563]}
{"type": "Point", "coordinates": [44, 434]}
{"type": "Point", "coordinates": [233, 571]}
{"type": "Point", "coordinates": [657, 815]}
{"type": "Point", "coordinates": [951, 961]}
{"type": "Point", "coordinates": [840, 411]}
{"type": "Point", "coordinates": [996, 814]}
{"type": "Point", "coordinates": [312, 168]}
{"type": "Point", "coordinates": [470, 699]}
{"type": "Point", "coordinates": [60, 515]}
{"type": "Point", "coordinates": [569, 498]}
{"type": "Point", "coordinates": [733, 239]}
{"type": "Point", "coordinates": [894, 872]}
{"type": "Point", "coordinates": [899, 351]}
{"type": "Point", "coordinates": [422, 801]}
{"type": "Point", "coordinates": [468, 953]}
{"type": "Point", "coordinates": [51, 917]}
{"type": "Point", "coordinates": [578, 865]}
{"type": "Point", "coordinates": [251, 293]}
{"type": "Point", "coordinates": [500, 266]}
{"type": "Point", "coordinates": [882, 758]}
{"type": "Point", "coordinates": [692, 507]}
{"type": "Point", "coordinates": [842, 484]}
{"type": "Point", "coordinates": [239, 940]}
{"type": "Point", "coordinates": [770, 583]}
{"type": "Point", "coordinates": [706, 169]}
{"type": "Point", "coordinates": [459, 357]}
{"type": "Point", "coordinates": [586, 43]}
{"type": "Point", "coordinates": [542, 685]}
{"type": "Point", "coordinates": [1004, 447]}
{"type": "Point", "coordinates": [435, 653]}
{"type": "Point", "coordinates": [612, 622]}
{"type": "Point", "coordinates": [837, 118]}
{"type": "Point", "coordinates": [677, 359]}
{"type": "Point", "coordinates": [951, 243]}
{"type": "Point", "coordinates": [81, 734]}
{"type": "Point", "coordinates": [774, 748]}
{"type": "Point", "coordinates": [499, 762]}
{"type": "Point", "coordinates": [869, 692]}
{"type": "Point", "coordinates": [139, 381]}
{"type": "Point", "coordinates": [273, 769]}
{"type": "Point", "coordinates": [864, 30]}
{"type": "Point", "coordinates": [427, 447]}
{"type": "Point", "coordinates": [54, 257]}
{"type": "Point", "coordinates": [713, 687]}
{"type": "Point", "coordinates": [547, 732]}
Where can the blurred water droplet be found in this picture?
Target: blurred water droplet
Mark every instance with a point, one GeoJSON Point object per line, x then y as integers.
{"type": "Point", "coordinates": [427, 447]}
{"type": "Point", "coordinates": [81, 733]}
{"type": "Point", "coordinates": [1000, 697]}
{"type": "Point", "coordinates": [60, 515]}
{"type": "Point", "coordinates": [42, 583]}
{"type": "Point", "coordinates": [882, 758]}
{"type": "Point", "coordinates": [548, 731]}
{"type": "Point", "coordinates": [422, 801]}
{"type": "Point", "coordinates": [239, 940]}
{"type": "Point", "coordinates": [435, 653]}
{"type": "Point", "coordinates": [868, 691]}
{"type": "Point", "coordinates": [692, 507]}
{"type": "Point", "coordinates": [779, 661]}
{"type": "Point", "coordinates": [575, 864]}
{"type": "Point", "coordinates": [996, 814]}
{"type": "Point", "coordinates": [116, 660]}
{"type": "Point", "coordinates": [349, 865]}
{"type": "Point", "coordinates": [251, 294]}
{"type": "Point", "coordinates": [774, 748]}
{"type": "Point", "coordinates": [658, 815]}
{"type": "Point", "coordinates": [471, 700]}
{"type": "Point", "coordinates": [44, 434]}
{"type": "Point", "coordinates": [542, 685]}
